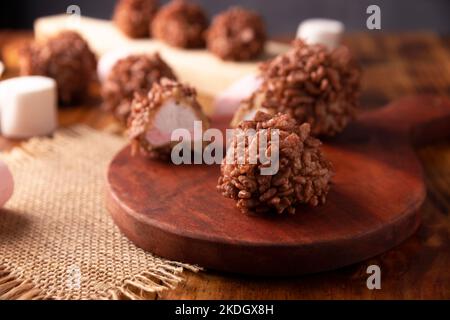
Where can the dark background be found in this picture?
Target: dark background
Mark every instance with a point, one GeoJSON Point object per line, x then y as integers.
{"type": "Point", "coordinates": [282, 16]}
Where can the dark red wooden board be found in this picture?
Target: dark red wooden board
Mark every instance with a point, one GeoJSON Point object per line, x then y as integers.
{"type": "Point", "coordinates": [374, 204]}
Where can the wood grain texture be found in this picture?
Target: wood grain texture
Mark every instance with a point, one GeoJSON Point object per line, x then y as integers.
{"type": "Point", "coordinates": [194, 66]}
{"type": "Point", "coordinates": [394, 65]}
{"type": "Point", "coordinates": [176, 212]}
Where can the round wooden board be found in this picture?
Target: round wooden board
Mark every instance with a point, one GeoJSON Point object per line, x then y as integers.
{"type": "Point", "coordinates": [176, 212]}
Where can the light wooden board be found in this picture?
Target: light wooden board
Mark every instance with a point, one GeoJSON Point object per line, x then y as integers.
{"type": "Point", "coordinates": [200, 68]}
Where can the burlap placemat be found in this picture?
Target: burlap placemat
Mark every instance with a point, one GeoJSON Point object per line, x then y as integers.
{"type": "Point", "coordinates": [56, 238]}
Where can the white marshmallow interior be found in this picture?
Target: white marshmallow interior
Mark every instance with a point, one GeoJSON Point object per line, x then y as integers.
{"type": "Point", "coordinates": [228, 101]}
{"type": "Point", "coordinates": [170, 116]}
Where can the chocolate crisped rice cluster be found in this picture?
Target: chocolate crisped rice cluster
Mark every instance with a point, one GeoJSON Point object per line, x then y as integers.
{"type": "Point", "coordinates": [145, 107]}
{"type": "Point", "coordinates": [133, 17]}
{"type": "Point", "coordinates": [181, 24]}
{"type": "Point", "coordinates": [237, 34]}
{"type": "Point", "coordinates": [303, 176]}
{"type": "Point", "coordinates": [312, 85]}
{"type": "Point", "coordinates": [66, 58]}
{"type": "Point", "coordinates": [133, 74]}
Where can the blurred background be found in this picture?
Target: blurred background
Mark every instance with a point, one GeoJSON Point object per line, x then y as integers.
{"type": "Point", "coordinates": [282, 16]}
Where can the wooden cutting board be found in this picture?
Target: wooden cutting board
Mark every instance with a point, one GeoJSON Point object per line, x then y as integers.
{"type": "Point", "coordinates": [200, 68]}
{"type": "Point", "coordinates": [374, 204]}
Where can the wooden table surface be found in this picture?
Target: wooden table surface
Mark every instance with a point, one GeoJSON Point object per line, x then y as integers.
{"type": "Point", "coordinates": [394, 65]}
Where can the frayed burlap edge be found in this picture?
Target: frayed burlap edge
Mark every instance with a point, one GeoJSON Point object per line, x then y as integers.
{"type": "Point", "coordinates": [14, 287]}
{"type": "Point", "coordinates": [146, 285]}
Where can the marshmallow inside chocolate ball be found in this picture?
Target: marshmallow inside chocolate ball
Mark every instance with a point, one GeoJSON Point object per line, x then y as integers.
{"type": "Point", "coordinates": [170, 116]}
{"type": "Point", "coordinates": [168, 106]}
{"type": "Point", "coordinates": [228, 102]}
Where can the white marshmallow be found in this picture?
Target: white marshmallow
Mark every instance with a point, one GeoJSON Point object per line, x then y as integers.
{"type": "Point", "coordinates": [171, 116]}
{"type": "Point", "coordinates": [28, 106]}
{"type": "Point", "coordinates": [6, 184]}
{"type": "Point", "coordinates": [321, 31]}
{"type": "Point", "coordinates": [229, 100]}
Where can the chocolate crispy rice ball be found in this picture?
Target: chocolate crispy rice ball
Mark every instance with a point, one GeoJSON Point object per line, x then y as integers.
{"type": "Point", "coordinates": [303, 176]}
{"type": "Point", "coordinates": [133, 17]}
{"type": "Point", "coordinates": [181, 24]}
{"type": "Point", "coordinates": [312, 85]}
{"type": "Point", "coordinates": [168, 106]}
{"type": "Point", "coordinates": [66, 58]}
{"type": "Point", "coordinates": [237, 34]}
{"type": "Point", "coordinates": [133, 74]}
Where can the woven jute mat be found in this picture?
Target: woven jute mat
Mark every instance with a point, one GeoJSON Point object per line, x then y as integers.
{"type": "Point", "coordinates": [57, 240]}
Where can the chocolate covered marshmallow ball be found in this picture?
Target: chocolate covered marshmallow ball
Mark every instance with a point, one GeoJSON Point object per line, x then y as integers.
{"type": "Point", "coordinates": [132, 75]}
{"type": "Point", "coordinates": [303, 175]}
{"type": "Point", "coordinates": [66, 58]}
{"type": "Point", "coordinates": [133, 17]}
{"type": "Point", "coordinates": [181, 24]}
{"type": "Point", "coordinates": [311, 84]}
{"type": "Point", "coordinates": [168, 106]}
{"type": "Point", "coordinates": [237, 34]}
